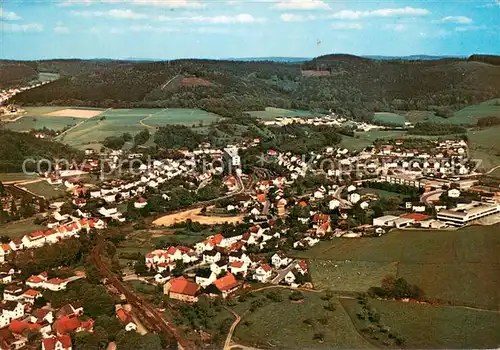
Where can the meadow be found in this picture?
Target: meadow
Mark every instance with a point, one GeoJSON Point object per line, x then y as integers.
{"type": "Point", "coordinates": [19, 228]}
{"type": "Point", "coordinates": [271, 113]}
{"type": "Point", "coordinates": [281, 324]}
{"type": "Point", "coordinates": [433, 327]}
{"type": "Point", "coordinates": [25, 124]}
{"type": "Point", "coordinates": [364, 139]}
{"type": "Point", "coordinates": [393, 118]}
{"type": "Point", "coordinates": [484, 145]}
{"type": "Point", "coordinates": [461, 266]}
{"type": "Point", "coordinates": [44, 189]}
{"type": "Point", "coordinates": [115, 122]}
{"type": "Point", "coordinates": [16, 177]}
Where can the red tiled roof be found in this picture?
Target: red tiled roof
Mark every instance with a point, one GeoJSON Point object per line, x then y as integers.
{"type": "Point", "coordinates": [303, 265]}
{"type": "Point", "coordinates": [261, 197]}
{"type": "Point", "coordinates": [303, 204]}
{"type": "Point", "coordinates": [123, 316]}
{"type": "Point", "coordinates": [227, 282]}
{"type": "Point", "coordinates": [55, 281]}
{"type": "Point", "coordinates": [32, 293]}
{"type": "Point", "coordinates": [34, 279]}
{"type": "Point", "coordinates": [265, 267]}
{"type": "Point", "coordinates": [171, 250]}
{"type": "Point", "coordinates": [237, 264]}
{"type": "Point", "coordinates": [50, 343]}
{"type": "Point", "coordinates": [17, 326]}
{"type": "Point", "coordinates": [321, 218]}
{"type": "Point", "coordinates": [416, 216]}
{"type": "Point", "coordinates": [35, 235]}
{"type": "Point", "coordinates": [181, 285]}
{"type": "Point", "coordinates": [66, 324]}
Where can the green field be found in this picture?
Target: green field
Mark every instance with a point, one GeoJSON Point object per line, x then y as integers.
{"type": "Point", "coordinates": [349, 276]}
{"type": "Point", "coordinates": [461, 266]}
{"type": "Point", "coordinates": [272, 113]}
{"type": "Point", "coordinates": [393, 118]}
{"type": "Point", "coordinates": [364, 139]}
{"type": "Point", "coordinates": [433, 327]}
{"type": "Point", "coordinates": [18, 177]}
{"type": "Point", "coordinates": [281, 325]}
{"type": "Point", "coordinates": [29, 123]}
{"type": "Point", "coordinates": [118, 121]}
{"type": "Point", "coordinates": [484, 145]}
{"type": "Point", "coordinates": [380, 193]}
{"type": "Point", "coordinates": [19, 228]}
{"type": "Point", "coordinates": [44, 189]}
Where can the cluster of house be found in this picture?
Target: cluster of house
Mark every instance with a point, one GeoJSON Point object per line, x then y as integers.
{"type": "Point", "coordinates": [18, 312]}
{"type": "Point", "coordinates": [218, 265]}
{"type": "Point", "coordinates": [6, 94]}
{"type": "Point", "coordinates": [55, 326]}
{"type": "Point", "coordinates": [330, 120]}
{"type": "Point", "coordinates": [54, 234]}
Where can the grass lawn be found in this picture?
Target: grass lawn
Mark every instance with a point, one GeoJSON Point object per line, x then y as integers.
{"type": "Point", "coordinates": [42, 188]}
{"type": "Point", "coordinates": [8, 177]}
{"type": "Point", "coordinates": [271, 113]}
{"type": "Point", "coordinates": [115, 122]}
{"type": "Point", "coordinates": [142, 287]}
{"type": "Point", "coordinates": [380, 193]}
{"type": "Point", "coordinates": [461, 266]}
{"type": "Point", "coordinates": [281, 324]}
{"type": "Point", "coordinates": [364, 139]}
{"type": "Point", "coordinates": [484, 145]}
{"type": "Point", "coordinates": [54, 123]}
{"type": "Point", "coordinates": [349, 276]}
{"type": "Point", "coordinates": [392, 118]}
{"type": "Point", "coordinates": [17, 229]}
{"type": "Point", "coordinates": [433, 327]}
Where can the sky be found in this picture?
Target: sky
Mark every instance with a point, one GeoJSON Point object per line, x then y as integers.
{"type": "Point", "coordinates": [169, 29]}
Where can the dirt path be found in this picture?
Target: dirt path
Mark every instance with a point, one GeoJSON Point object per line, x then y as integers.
{"type": "Point", "coordinates": [149, 116]}
{"type": "Point", "coordinates": [194, 215]}
{"type": "Point", "coordinates": [231, 330]}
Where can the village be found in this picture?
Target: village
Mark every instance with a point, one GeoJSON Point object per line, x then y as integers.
{"type": "Point", "coordinates": [434, 184]}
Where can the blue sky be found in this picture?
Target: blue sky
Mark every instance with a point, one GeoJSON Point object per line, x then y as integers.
{"type": "Point", "coordinates": [164, 29]}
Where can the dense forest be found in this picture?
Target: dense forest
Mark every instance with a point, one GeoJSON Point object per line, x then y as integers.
{"type": "Point", "coordinates": [16, 147]}
{"type": "Point", "coordinates": [353, 86]}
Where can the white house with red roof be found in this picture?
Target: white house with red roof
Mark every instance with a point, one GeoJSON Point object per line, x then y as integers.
{"type": "Point", "coordinates": [62, 342]}
{"type": "Point", "coordinates": [140, 203]}
{"type": "Point", "coordinates": [55, 284]}
{"type": "Point", "coordinates": [34, 240]}
{"type": "Point", "coordinates": [279, 260]}
{"type": "Point", "coordinates": [263, 273]}
{"type": "Point", "coordinates": [238, 267]}
{"type": "Point", "coordinates": [36, 281]}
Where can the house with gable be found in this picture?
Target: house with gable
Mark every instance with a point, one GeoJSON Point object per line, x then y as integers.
{"type": "Point", "coordinates": [62, 342]}
{"type": "Point", "coordinates": [205, 277]}
{"type": "Point", "coordinates": [182, 289]}
{"type": "Point", "coordinates": [126, 319]}
{"type": "Point", "coordinates": [280, 260]}
{"type": "Point", "coordinates": [224, 286]}
{"type": "Point", "coordinates": [263, 273]}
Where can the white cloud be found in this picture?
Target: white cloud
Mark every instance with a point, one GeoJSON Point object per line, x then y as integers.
{"type": "Point", "coordinates": [149, 28]}
{"type": "Point", "coordinates": [290, 17]}
{"type": "Point", "coordinates": [470, 28]}
{"type": "Point", "coordinates": [164, 3]}
{"type": "Point", "coordinates": [344, 25]}
{"type": "Point", "coordinates": [397, 27]}
{"type": "Point", "coordinates": [14, 27]}
{"type": "Point", "coordinates": [9, 16]}
{"type": "Point", "coordinates": [456, 19]}
{"type": "Point", "coordinates": [61, 28]}
{"type": "Point", "coordinates": [240, 18]}
{"type": "Point", "coordinates": [301, 5]}
{"type": "Point", "coordinates": [381, 13]}
{"type": "Point", "coordinates": [114, 13]}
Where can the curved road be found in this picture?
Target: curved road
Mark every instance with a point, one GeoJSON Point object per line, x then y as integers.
{"type": "Point", "coordinates": [231, 330]}
{"type": "Point", "coordinates": [425, 198]}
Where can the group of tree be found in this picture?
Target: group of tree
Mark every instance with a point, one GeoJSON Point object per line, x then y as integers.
{"type": "Point", "coordinates": [117, 142]}
{"type": "Point", "coordinates": [236, 87]}
{"type": "Point", "coordinates": [486, 122]}
{"type": "Point", "coordinates": [396, 288]}
{"type": "Point", "coordinates": [435, 129]}
{"type": "Point", "coordinates": [17, 147]}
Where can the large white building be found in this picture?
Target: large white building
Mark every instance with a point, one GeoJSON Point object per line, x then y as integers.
{"type": "Point", "coordinates": [231, 157]}
{"type": "Point", "coordinates": [464, 214]}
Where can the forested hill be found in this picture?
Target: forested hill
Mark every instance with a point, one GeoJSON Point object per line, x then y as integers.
{"type": "Point", "coordinates": [347, 84]}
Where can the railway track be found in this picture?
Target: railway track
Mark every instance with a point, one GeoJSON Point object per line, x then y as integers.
{"type": "Point", "coordinates": [151, 318]}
